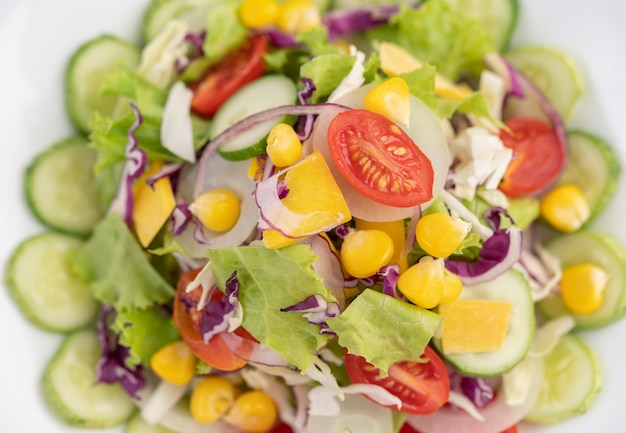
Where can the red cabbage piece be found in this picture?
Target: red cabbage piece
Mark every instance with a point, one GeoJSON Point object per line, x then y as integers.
{"type": "Point", "coordinates": [217, 313]}
{"type": "Point", "coordinates": [477, 390]}
{"type": "Point", "coordinates": [344, 22]}
{"type": "Point", "coordinates": [304, 125]}
{"type": "Point", "coordinates": [111, 366]}
{"type": "Point", "coordinates": [499, 252]}
{"type": "Point", "coordinates": [317, 310]}
{"type": "Point", "coordinates": [134, 166]}
{"type": "Point", "coordinates": [181, 217]}
{"type": "Point", "coordinates": [279, 38]}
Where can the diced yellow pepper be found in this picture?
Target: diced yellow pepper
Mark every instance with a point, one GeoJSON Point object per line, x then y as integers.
{"type": "Point", "coordinates": [314, 194]}
{"type": "Point", "coordinates": [473, 326]}
{"type": "Point", "coordinates": [395, 60]}
{"type": "Point", "coordinates": [152, 207]}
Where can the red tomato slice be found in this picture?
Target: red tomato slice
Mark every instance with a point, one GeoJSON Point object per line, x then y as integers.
{"type": "Point", "coordinates": [512, 429]}
{"type": "Point", "coordinates": [186, 317]}
{"type": "Point", "coordinates": [423, 387]}
{"type": "Point", "coordinates": [222, 80]}
{"type": "Point", "coordinates": [379, 159]}
{"type": "Point", "coordinates": [538, 156]}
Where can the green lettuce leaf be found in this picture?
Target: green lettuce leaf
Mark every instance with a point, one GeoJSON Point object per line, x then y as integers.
{"type": "Point", "coordinates": [144, 332]}
{"type": "Point", "coordinates": [117, 269]}
{"type": "Point", "coordinates": [384, 329]}
{"type": "Point", "coordinates": [475, 104]}
{"type": "Point", "coordinates": [271, 279]}
{"type": "Point", "coordinates": [224, 32]}
{"type": "Point", "coordinates": [422, 84]}
{"type": "Point", "coordinates": [326, 71]}
{"type": "Point", "coordinates": [434, 34]}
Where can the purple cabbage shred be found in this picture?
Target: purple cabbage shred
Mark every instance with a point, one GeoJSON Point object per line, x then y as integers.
{"type": "Point", "coordinates": [217, 313]}
{"type": "Point", "coordinates": [111, 366]}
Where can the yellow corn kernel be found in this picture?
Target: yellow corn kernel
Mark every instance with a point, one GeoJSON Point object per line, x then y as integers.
{"type": "Point", "coordinates": [297, 15]}
{"type": "Point", "coordinates": [565, 208]}
{"type": "Point", "coordinates": [364, 252]}
{"type": "Point", "coordinates": [396, 230]}
{"type": "Point", "coordinates": [283, 145]}
{"type": "Point", "coordinates": [390, 99]}
{"type": "Point", "coordinates": [452, 287]}
{"type": "Point", "coordinates": [255, 14]}
{"type": "Point", "coordinates": [218, 209]}
{"type": "Point", "coordinates": [211, 399]}
{"type": "Point", "coordinates": [174, 363]}
{"type": "Point", "coordinates": [428, 283]}
{"type": "Point", "coordinates": [253, 411]}
{"type": "Point", "coordinates": [440, 234]}
{"type": "Point", "coordinates": [582, 287]}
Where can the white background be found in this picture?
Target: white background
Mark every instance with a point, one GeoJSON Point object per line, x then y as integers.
{"type": "Point", "coordinates": [36, 38]}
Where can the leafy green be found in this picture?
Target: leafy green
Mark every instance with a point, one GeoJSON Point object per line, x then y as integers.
{"type": "Point", "coordinates": [434, 34]}
{"type": "Point", "coordinates": [317, 41]}
{"type": "Point", "coordinates": [384, 329]}
{"type": "Point", "coordinates": [117, 269]}
{"type": "Point", "coordinates": [271, 279]}
{"type": "Point", "coordinates": [421, 83]}
{"type": "Point", "coordinates": [144, 332]}
{"type": "Point", "coordinates": [327, 71]}
{"type": "Point", "coordinates": [476, 104]}
{"type": "Point", "coordinates": [224, 31]}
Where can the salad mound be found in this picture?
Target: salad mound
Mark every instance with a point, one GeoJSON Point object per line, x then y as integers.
{"type": "Point", "coordinates": [304, 217]}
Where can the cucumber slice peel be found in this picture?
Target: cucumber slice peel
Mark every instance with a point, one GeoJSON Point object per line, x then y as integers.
{"type": "Point", "coordinates": [269, 91]}
{"type": "Point", "coordinates": [572, 381]}
{"type": "Point", "coordinates": [137, 425]}
{"type": "Point", "coordinates": [603, 251]}
{"type": "Point", "coordinates": [60, 187]}
{"type": "Point", "coordinates": [554, 73]}
{"type": "Point", "coordinates": [43, 286]}
{"type": "Point", "coordinates": [593, 167]}
{"type": "Point", "coordinates": [497, 17]}
{"type": "Point", "coordinates": [87, 70]}
{"type": "Point", "coordinates": [69, 386]}
{"type": "Point", "coordinates": [519, 334]}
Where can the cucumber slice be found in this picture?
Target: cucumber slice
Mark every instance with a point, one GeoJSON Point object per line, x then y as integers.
{"type": "Point", "coordinates": [497, 17]}
{"type": "Point", "coordinates": [600, 250]}
{"type": "Point", "coordinates": [60, 187]}
{"type": "Point", "coordinates": [137, 425]}
{"type": "Point", "coordinates": [553, 72]}
{"type": "Point", "coordinates": [510, 287]}
{"type": "Point", "coordinates": [40, 280]}
{"type": "Point", "coordinates": [267, 92]}
{"type": "Point", "coordinates": [594, 167]}
{"type": "Point", "coordinates": [70, 390]}
{"type": "Point", "coordinates": [86, 72]}
{"type": "Point", "coordinates": [571, 382]}
{"type": "Point", "coordinates": [160, 12]}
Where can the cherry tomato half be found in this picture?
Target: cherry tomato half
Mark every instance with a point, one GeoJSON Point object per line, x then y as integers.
{"type": "Point", "coordinates": [423, 387]}
{"type": "Point", "coordinates": [538, 156]}
{"type": "Point", "coordinates": [222, 80]}
{"type": "Point", "coordinates": [186, 317]}
{"type": "Point", "coordinates": [379, 159]}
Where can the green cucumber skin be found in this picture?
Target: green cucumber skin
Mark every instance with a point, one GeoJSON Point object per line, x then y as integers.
{"type": "Point", "coordinates": [603, 251]}
{"type": "Point", "coordinates": [476, 364]}
{"type": "Point", "coordinates": [613, 170]}
{"type": "Point", "coordinates": [83, 340]}
{"type": "Point", "coordinates": [91, 210]}
{"type": "Point", "coordinates": [137, 425]}
{"type": "Point", "coordinates": [34, 314]}
{"type": "Point", "coordinates": [583, 404]}
{"type": "Point", "coordinates": [76, 112]}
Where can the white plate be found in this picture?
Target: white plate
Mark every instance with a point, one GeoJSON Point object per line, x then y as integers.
{"type": "Point", "coordinates": [36, 38]}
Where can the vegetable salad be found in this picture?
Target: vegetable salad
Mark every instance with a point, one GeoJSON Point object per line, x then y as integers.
{"type": "Point", "coordinates": [177, 328]}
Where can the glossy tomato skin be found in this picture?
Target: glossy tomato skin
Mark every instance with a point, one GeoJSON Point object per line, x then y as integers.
{"type": "Point", "coordinates": [216, 353]}
{"type": "Point", "coordinates": [512, 429]}
{"type": "Point", "coordinates": [222, 80]}
{"type": "Point", "coordinates": [423, 387]}
{"type": "Point", "coordinates": [538, 156]}
{"type": "Point", "coordinates": [379, 159]}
